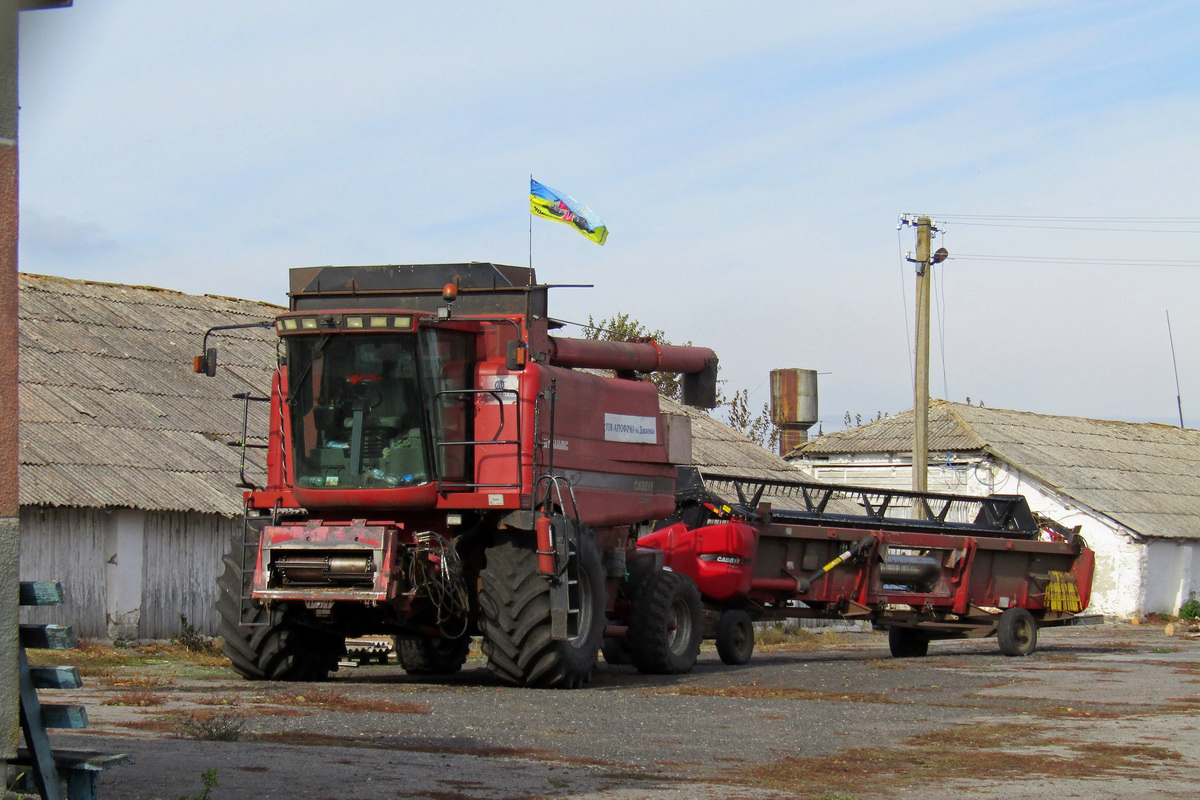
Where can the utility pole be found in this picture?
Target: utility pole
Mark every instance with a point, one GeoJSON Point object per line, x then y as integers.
{"type": "Point", "coordinates": [920, 454]}
{"type": "Point", "coordinates": [924, 261]}
{"type": "Point", "coordinates": [10, 507]}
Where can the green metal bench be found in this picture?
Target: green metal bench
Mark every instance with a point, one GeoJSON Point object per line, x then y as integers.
{"type": "Point", "coordinates": [49, 768]}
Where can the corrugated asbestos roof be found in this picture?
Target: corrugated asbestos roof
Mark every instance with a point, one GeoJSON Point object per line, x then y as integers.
{"type": "Point", "coordinates": [112, 414]}
{"type": "Point", "coordinates": [720, 450]}
{"type": "Point", "coordinates": [1143, 475]}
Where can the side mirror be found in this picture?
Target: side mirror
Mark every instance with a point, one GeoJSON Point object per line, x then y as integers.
{"type": "Point", "coordinates": [517, 355]}
{"type": "Point", "coordinates": [206, 363]}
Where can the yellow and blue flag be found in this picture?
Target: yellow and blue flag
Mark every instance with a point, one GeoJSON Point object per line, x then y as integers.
{"type": "Point", "coordinates": [548, 203]}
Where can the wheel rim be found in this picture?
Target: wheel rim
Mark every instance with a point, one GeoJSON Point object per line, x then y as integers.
{"type": "Point", "coordinates": [579, 600]}
{"type": "Point", "coordinates": [679, 626]}
{"type": "Point", "coordinates": [743, 634]}
{"type": "Point", "coordinates": [1023, 634]}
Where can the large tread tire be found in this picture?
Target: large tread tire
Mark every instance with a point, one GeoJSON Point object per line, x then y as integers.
{"type": "Point", "coordinates": [908, 642]}
{"type": "Point", "coordinates": [665, 624]}
{"type": "Point", "coordinates": [735, 637]}
{"type": "Point", "coordinates": [1017, 632]}
{"type": "Point", "coordinates": [427, 655]}
{"type": "Point", "coordinates": [272, 646]}
{"type": "Point", "coordinates": [514, 602]}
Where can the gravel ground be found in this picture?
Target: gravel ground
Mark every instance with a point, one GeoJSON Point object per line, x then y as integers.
{"type": "Point", "coordinates": [1106, 711]}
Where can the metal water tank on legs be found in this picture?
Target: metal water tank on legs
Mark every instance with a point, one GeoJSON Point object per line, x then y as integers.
{"type": "Point", "coordinates": [793, 405]}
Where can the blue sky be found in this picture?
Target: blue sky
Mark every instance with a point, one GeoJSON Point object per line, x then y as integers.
{"type": "Point", "coordinates": [750, 161]}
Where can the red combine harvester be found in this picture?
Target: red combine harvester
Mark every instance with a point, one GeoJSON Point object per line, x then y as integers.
{"type": "Point", "coordinates": [925, 566]}
{"type": "Point", "coordinates": [440, 467]}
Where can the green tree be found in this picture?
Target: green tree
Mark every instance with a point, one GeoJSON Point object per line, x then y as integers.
{"type": "Point", "coordinates": [623, 328]}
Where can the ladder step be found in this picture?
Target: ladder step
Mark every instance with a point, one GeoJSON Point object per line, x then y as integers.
{"type": "Point", "coordinates": [55, 677]}
{"type": "Point", "coordinates": [48, 637]}
{"type": "Point", "coordinates": [41, 593]}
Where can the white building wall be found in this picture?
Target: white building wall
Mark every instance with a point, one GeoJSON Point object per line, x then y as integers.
{"type": "Point", "coordinates": [181, 560]}
{"type": "Point", "coordinates": [69, 545]}
{"type": "Point", "coordinates": [126, 574]}
{"type": "Point", "coordinates": [1172, 575]}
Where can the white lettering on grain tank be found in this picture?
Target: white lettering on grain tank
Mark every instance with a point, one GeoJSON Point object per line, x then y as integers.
{"type": "Point", "coordinates": [628, 428]}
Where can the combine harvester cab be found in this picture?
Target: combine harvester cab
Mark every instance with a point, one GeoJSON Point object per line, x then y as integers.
{"type": "Point", "coordinates": [923, 565]}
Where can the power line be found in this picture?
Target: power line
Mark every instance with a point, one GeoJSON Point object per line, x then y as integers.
{"type": "Point", "coordinates": [1045, 218]}
{"type": "Point", "coordinates": [1075, 227]}
{"type": "Point", "coordinates": [1098, 262]}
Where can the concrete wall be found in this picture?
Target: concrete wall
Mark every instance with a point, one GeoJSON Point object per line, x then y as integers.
{"type": "Point", "coordinates": [127, 574]}
{"type": "Point", "coordinates": [9, 718]}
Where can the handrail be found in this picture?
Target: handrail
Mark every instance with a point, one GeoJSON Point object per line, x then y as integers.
{"type": "Point", "coordinates": [247, 397]}
{"type": "Point", "coordinates": [495, 440]}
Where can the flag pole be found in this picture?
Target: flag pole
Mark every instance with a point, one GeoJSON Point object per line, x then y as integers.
{"type": "Point", "coordinates": [531, 228]}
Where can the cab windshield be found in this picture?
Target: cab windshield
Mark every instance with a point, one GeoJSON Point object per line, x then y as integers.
{"type": "Point", "coordinates": [380, 410]}
{"type": "Point", "coordinates": [357, 416]}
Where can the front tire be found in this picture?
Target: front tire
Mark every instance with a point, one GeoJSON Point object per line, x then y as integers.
{"type": "Point", "coordinates": [665, 624]}
{"type": "Point", "coordinates": [735, 637]}
{"type": "Point", "coordinates": [515, 607]}
{"type": "Point", "coordinates": [269, 644]}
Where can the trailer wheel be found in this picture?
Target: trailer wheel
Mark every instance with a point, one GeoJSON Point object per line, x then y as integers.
{"type": "Point", "coordinates": [1017, 632]}
{"type": "Point", "coordinates": [429, 655]}
{"type": "Point", "coordinates": [735, 637]}
{"type": "Point", "coordinates": [514, 601]}
{"type": "Point", "coordinates": [907, 642]}
{"type": "Point", "coordinates": [269, 644]}
{"type": "Point", "coordinates": [665, 624]}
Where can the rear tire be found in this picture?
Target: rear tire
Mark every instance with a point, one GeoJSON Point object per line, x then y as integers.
{"type": "Point", "coordinates": [427, 655]}
{"type": "Point", "coordinates": [908, 642]}
{"type": "Point", "coordinates": [735, 637]}
{"type": "Point", "coordinates": [273, 646]}
{"type": "Point", "coordinates": [1017, 632]}
{"type": "Point", "coordinates": [665, 624]}
{"type": "Point", "coordinates": [514, 604]}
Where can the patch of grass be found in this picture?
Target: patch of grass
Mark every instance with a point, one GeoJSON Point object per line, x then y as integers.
{"type": "Point", "coordinates": [889, 663]}
{"type": "Point", "coordinates": [218, 726]}
{"type": "Point", "coordinates": [139, 681]}
{"type": "Point", "coordinates": [140, 698]}
{"type": "Point", "coordinates": [331, 700]}
{"type": "Point", "coordinates": [190, 639]}
{"type": "Point", "coordinates": [781, 636]}
{"type": "Point", "coordinates": [972, 752]}
{"type": "Point", "coordinates": [97, 660]}
{"type": "Point", "coordinates": [217, 700]}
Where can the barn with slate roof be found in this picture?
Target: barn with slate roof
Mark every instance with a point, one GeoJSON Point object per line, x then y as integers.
{"type": "Point", "coordinates": [126, 476]}
{"type": "Point", "coordinates": [1134, 488]}
{"type": "Point", "coordinates": [128, 480]}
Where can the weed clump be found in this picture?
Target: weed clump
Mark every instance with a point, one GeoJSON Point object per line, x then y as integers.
{"type": "Point", "coordinates": [220, 726]}
{"type": "Point", "coordinates": [1190, 609]}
